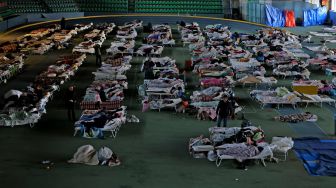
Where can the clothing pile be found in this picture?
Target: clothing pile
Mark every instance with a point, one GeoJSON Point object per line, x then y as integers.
{"type": "Point", "coordinates": [217, 32]}
{"type": "Point", "coordinates": [243, 63]}
{"type": "Point", "coordinates": [161, 34]}
{"type": "Point", "coordinates": [279, 96]}
{"type": "Point", "coordinates": [218, 82]}
{"type": "Point", "coordinates": [162, 93]}
{"type": "Point", "coordinates": [257, 80]}
{"type": "Point", "coordinates": [113, 72]}
{"type": "Point", "coordinates": [207, 67]}
{"type": "Point", "coordinates": [9, 47]}
{"type": "Point", "coordinates": [318, 62]}
{"type": "Point", "coordinates": [95, 38]}
{"type": "Point", "coordinates": [38, 41]}
{"type": "Point", "coordinates": [127, 32]}
{"type": "Point", "coordinates": [62, 38]}
{"type": "Point", "coordinates": [10, 65]}
{"type": "Point", "coordinates": [82, 27]}
{"type": "Point", "coordinates": [295, 118]}
{"type": "Point", "coordinates": [39, 47]}
{"type": "Point", "coordinates": [122, 47]}
{"type": "Point", "coordinates": [191, 34]}
{"type": "Point", "coordinates": [136, 24]}
{"type": "Point", "coordinates": [39, 33]}
{"type": "Point", "coordinates": [35, 41]}
{"type": "Point", "coordinates": [291, 70]}
{"type": "Point", "coordinates": [275, 58]}
{"type": "Point", "coordinates": [163, 67]}
{"type": "Point", "coordinates": [57, 74]}
{"type": "Point", "coordinates": [150, 50]}
{"type": "Point", "coordinates": [202, 53]}
{"type": "Point", "coordinates": [55, 38]}
{"type": "Point", "coordinates": [327, 88]}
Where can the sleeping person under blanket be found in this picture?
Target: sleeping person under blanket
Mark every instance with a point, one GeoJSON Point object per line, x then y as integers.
{"type": "Point", "coordinates": [88, 155]}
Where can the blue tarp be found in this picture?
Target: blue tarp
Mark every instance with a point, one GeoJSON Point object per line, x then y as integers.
{"type": "Point", "coordinates": [332, 16]}
{"type": "Point", "coordinates": [318, 156]}
{"type": "Point", "coordinates": [274, 17]}
{"type": "Point", "coordinates": [322, 14]}
{"type": "Point", "coordinates": [315, 16]}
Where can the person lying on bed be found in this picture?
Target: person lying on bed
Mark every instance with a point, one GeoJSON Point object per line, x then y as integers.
{"type": "Point", "coordinates": [247, 135]}
{"type": "Point", "coordinates": [20, 99]}
{"type": "Point", "coordinates": [241, 152]}
{"type": "Point", "coordinates": [97, 122]}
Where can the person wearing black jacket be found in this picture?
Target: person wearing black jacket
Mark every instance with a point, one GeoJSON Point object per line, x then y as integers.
{"type": "Point", "coordinates": [70, 103]}
{"type": "Point", "coordinates": [223, 111]}
{"type": "Point", "coordinates": [62, 23]}
{"type": "Point", "coordinates": [98, 55]}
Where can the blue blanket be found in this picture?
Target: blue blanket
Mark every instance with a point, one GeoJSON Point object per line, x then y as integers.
{"type": "Point", "coordinates": [318, 156]}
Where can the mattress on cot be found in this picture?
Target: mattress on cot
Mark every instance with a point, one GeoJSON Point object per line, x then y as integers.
{"type": "Point", "coordinates": [110, 105]}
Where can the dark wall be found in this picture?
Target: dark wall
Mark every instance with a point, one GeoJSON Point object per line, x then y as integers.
{"type": "Point", "coordinates": [172, 20]}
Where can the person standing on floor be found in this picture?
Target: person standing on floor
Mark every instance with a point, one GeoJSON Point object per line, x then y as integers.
{"type": "Point", "coordinates": [98, 55]}
{"type": "Point", "coordinates": [62, 23]}
{"type": "Point", "coordinates": [70, 102]}
{"type": "Point", "coordinates": [223, 111]}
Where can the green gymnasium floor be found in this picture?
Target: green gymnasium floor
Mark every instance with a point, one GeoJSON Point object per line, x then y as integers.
{"type": "Point", "coordinates": [154, 152]}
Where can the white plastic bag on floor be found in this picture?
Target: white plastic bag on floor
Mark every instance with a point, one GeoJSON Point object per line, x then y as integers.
{"type": "Point", "coordinates": [212, 156]}
{"type": "Point", "coordinates": [133, 119]}
{"type": "Point", "coordinates": [282, 144]}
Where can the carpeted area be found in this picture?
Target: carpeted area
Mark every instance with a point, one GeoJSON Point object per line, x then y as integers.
{"type": "Point", "coordinates": [154, 153]}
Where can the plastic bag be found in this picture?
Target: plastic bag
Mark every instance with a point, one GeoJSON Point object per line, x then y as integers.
{"type": "Point", "coordinates": [212, 156]}
{"type": "Point", "coordinates": [282, 144]}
